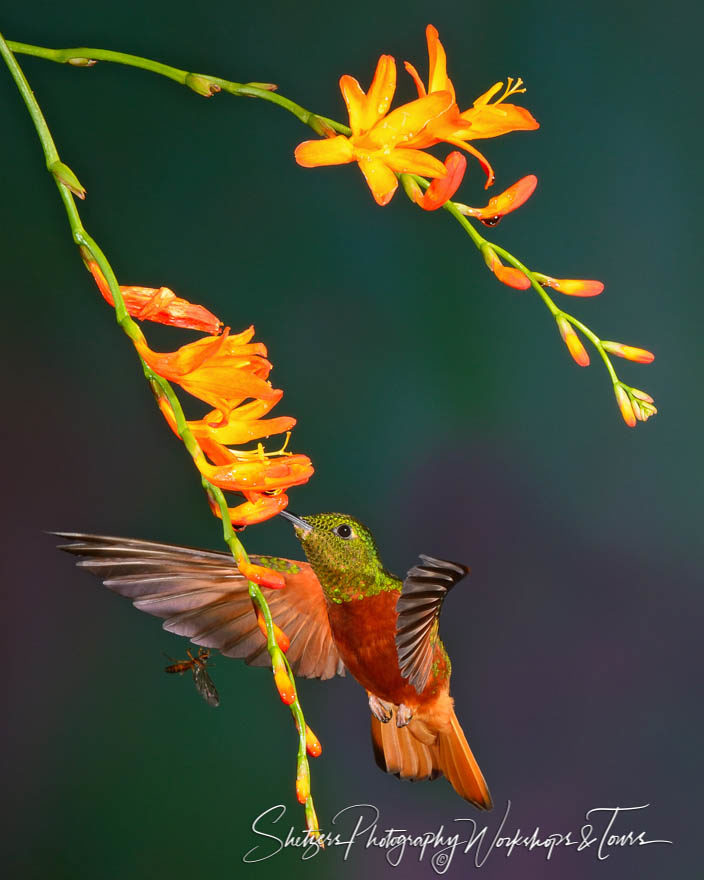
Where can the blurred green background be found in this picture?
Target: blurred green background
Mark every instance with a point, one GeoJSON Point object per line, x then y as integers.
{"type": "Point", "coordinates": [439, 406]}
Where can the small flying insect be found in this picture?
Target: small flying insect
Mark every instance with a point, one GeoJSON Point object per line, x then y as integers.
{"type": "Point", "coordinates": [199, 667]}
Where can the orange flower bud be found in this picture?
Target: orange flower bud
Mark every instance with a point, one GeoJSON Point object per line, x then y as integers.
{"type": "Point", "coordinates": [283, 682]}
{"type": "Point", "coordinates": [629, 352]}
{"type": "Point", "coordinates": [265, 577]}
{"type": "Point", "coordinates": [443, 188]}
{"type": "Point", "coordinates": [313, 746]}
{"type": "Point", "coordinates": [572, 286]}
{"type": "Point", "coordinates": [506, 274]}
{"type": "Point", "coordinates": [282, 640]}
{"type": "Point", "coordinates": [624, 404]}
{"type": "Point", "coordinates": [302, 782]}
{"type": "Point", "coordinates": [573, 342]}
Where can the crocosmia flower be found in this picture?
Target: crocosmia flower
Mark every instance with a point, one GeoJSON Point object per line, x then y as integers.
{"type": "Point", "coordinates": [486, 118]}
{"type": "Point", "coordinates": [383, 144]}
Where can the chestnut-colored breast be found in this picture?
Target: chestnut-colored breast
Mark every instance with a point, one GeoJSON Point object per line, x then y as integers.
{"type": "Point", "coordinates": [364, 631]}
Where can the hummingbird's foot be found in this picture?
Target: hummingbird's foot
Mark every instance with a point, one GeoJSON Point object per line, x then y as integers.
{"type": "Point", "coordinates": [403, 715]}
{"type": "Point", "coordinates": [380, 709]}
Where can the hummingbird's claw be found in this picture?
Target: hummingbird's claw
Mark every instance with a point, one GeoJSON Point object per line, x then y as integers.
{"type": "Point", "coordinates": [403, 715]}
{"type": "Point", "coordinates": [380, 709]}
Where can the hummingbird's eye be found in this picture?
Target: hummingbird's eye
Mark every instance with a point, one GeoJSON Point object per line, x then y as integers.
{"type": "Point", "coordinates": [344, 531]}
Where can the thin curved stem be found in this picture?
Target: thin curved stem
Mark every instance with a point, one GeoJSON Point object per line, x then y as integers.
{"type": "Point", "coordinates": [131, 329]}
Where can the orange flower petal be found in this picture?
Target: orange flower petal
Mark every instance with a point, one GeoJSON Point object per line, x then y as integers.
{"type": "Point", "coordinates": [640, 355]}
{"type": "Point", "coordinates": [330, 151]}
{"type": "Point", "coordinates": [160, 305]}
{"type": "Point", "coordinates": [415, 76]}
{"type": "Point", "coordinates": [508, 201]}
{"type": "Point", "coordinates": [365, 110]}
{"type": "Point", "coordinates": [442, 189]}
{"type": "Point", "coordinates": [251, 512]}
{"type": "Point", "coordinates": [257, 475]}
{"type": "Point", "coordinates": [493, 120]}
{"type": "Point", "coordinates": [404, 123]}
{"type": "Point", "coordinates": [438, 80]}
{"type": "Point", "coordinates": [404, 161]}
{"type": "Point", "coordinates": [573, 286]}
{"type": "Point", "coordinates": [235, 432]}
{"type": "Point", "coordinates": [380, 179]}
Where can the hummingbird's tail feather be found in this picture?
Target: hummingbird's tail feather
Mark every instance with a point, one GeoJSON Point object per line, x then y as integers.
{"type": "Point", "coordinates": [416, 752]}
{"type": "Point", "coordinates": [398, 751]}
{"type": "Point", "coordinates": [459, 765]}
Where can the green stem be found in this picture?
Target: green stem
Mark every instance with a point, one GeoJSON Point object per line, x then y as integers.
{"type": "Point", "coordinates": [183, 77]}
{"type": "Point", "coordinates": [158, 383]}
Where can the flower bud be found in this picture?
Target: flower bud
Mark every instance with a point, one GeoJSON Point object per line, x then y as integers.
{"type": "Point", "coordinates": [282, 681]}
{"type": "Point", "coordinates": [571, 286]}
{"type": "Point", "coordinates": [313, 746]}
{"type": "Point", "coordinates": [573, 342]}
{"type": "Point", "coordinates": [506, 274]}
{"type": "Point", "coordinates": [282, 640]}
{"type": "Point", "coordinates": [629, 352]}
{"type": "Point", "coordinates": [302, 782]}
{"type": "Point", "coordinates": [202, 85]}
{"type": "Point", "coordinates": [265, 577]}
{"type": "Point", "coordinates": [624, 404]}
{"type": "Point", "coordinates": [65, 176]}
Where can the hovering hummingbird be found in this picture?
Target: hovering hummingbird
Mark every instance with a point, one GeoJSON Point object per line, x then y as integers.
{"type": "Point", "coordinates": [341, 611]}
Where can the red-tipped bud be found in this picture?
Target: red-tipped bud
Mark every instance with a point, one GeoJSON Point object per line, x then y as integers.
{"type": "Point", "coordinates": [302, 782]}
{"type": "Point", "coordinates": [282, 640]}
{"type": "Point", "coordinates": [503, 204]}
{"type": "Point", "coordinates": [312, 825]}
{"type": "Point", "coordinates": [573, 342]}
{"type": "Point", "coordinates": [265, 577]}
{"type": "Point", "coordinates": [571, 286]}
{"type": "Point", "coordinates": [282, 681]}
{"type": "Point", "coordinates": [313, 746]}
{"type": "Point", "coordinates": [506, 274]}
{"type": "Point", "coordinates": [624, 404]}
{"type": "Point", "coordinates": [640, 355]}
{"type": "Point", "coordinates": [443, 188]}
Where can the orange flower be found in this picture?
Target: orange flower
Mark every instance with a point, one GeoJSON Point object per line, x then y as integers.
{"type": "Point", "coordinates": [483, 120]}
{"type": "Point", "coordinates": [223, 371]}
{"type": "Point", "coordinates": [160, 305]}
{"type": "Point", "coordinates": [383, 144]}
{"type": "Point", "coordinates": [498, 206]}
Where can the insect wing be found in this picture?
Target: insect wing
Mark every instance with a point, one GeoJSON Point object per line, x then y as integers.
{"type": "Point", "coordinates": [205, 685]}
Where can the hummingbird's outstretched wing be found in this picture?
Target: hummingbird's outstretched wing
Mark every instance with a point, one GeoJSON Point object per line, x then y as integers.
{"type": "Point", "coordinates": [201, 595]}
{"type": "Point", "coordinates": [418, 607]}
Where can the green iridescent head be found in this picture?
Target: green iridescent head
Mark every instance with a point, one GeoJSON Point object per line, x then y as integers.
{"type": "Point", "coordinates": [343, 555]}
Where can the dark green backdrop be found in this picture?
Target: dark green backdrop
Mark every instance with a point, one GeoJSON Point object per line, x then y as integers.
{"type": "Point", "coordinates": [438, 406]}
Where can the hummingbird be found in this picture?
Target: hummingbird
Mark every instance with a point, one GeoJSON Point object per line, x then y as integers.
{"type": "Point", "coordinates": [342, 611]}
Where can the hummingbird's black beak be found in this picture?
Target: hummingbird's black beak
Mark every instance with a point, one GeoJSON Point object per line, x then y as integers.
{"type": "Point", "coordinates": [298, 523]}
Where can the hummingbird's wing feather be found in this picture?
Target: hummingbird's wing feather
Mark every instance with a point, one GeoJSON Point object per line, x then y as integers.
{"type": "Point", "coordinates": [418, 607]}
{"type": "Point", "coordinates": [201, 595]}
